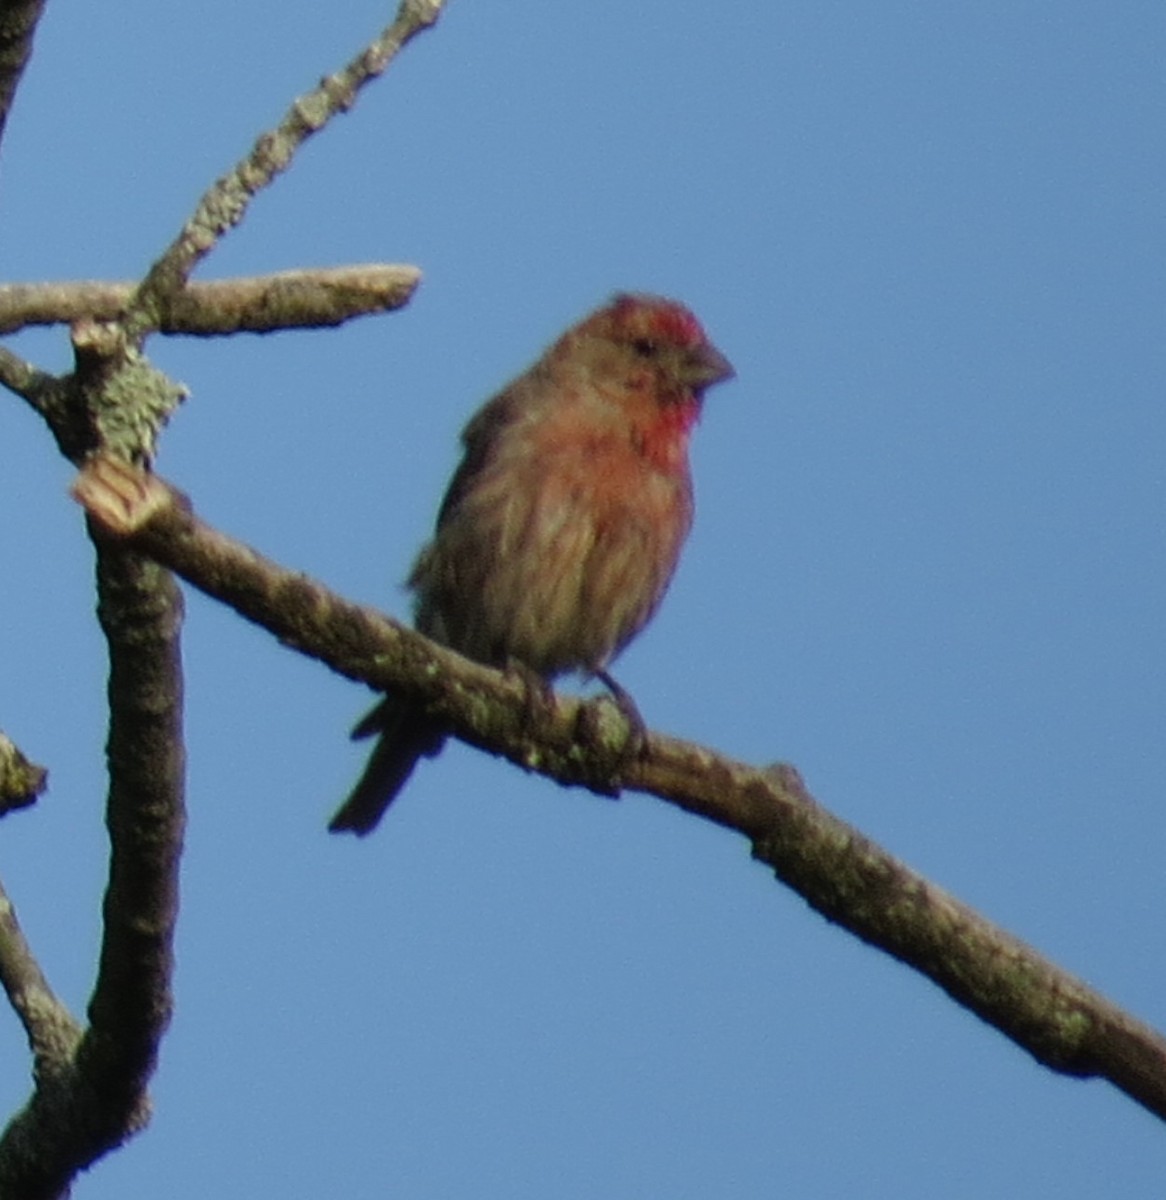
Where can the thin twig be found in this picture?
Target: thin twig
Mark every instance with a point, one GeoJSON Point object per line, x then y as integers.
{"type": "Point", "coordinates": [52, 1032]}
{"type": "Point", "coordinates": [31, 383]}
{"type": "Point", "coordinates": [1053, 1015]}
{"type": "Point", "coordinates": [223, 206]}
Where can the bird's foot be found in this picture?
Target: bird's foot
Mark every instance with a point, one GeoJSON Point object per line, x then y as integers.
{"type": "Point", "coordinates": [627, 707]}
{"type": "Point", "coordinates": [615, 745]}
{"type": "Point", "coordinates": [539, 696]}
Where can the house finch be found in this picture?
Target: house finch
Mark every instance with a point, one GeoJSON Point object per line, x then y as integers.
{"type": "Point", "coordinates": [562, 526]}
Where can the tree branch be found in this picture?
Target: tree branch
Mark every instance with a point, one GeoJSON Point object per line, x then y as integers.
{"type": "Point", "coordinates": [20, 376]}
{"type": "Point", "coordinates": [28, 1164]}
{"type": "Point", "coordinates": [223, 206]}
{"type": "Point", "coordinates": [140, 610]}
{"type": "Point", "coordinates": [1053, 1015]}
{"type": "Point", "coordinates": [52, 1032]}
{"type": "Point", "coordinates": [90, 1091]}
{"type": "Point", "coordinates": [18, 22]}
{"type": "Point", "coordinates": [301, 299]}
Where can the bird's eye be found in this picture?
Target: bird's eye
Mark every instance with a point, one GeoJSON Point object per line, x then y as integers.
{"type": "Point", "coordinates": [646, 348]}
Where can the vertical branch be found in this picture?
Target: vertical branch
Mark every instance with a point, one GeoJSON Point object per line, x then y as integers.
{"type": "Point", "coordinates": [90, 1091]}
{"type": "Point", "coordinates": [140, 610]}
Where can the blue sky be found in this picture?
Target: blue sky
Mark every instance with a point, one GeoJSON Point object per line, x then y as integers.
{"type": "Point", "coordinates": [928, 568]}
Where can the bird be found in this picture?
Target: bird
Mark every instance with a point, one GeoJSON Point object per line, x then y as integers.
{"type": "Point", "coordinates": [562, 526]}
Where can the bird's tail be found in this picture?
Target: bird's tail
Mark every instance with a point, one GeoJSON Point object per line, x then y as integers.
{"type": "Point", "coordinates": [405, 734]}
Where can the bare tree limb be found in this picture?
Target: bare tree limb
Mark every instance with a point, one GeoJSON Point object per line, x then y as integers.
{"type": "Point", "coordinates": [91, 1088]}
{"type": "Point", "coordinates": [27, 381]}
{"type": "Point", "coordinates": [52, 1032]}
{"type": "Point", "coordinates": [27, 1146]}
{"type": "Point", "coordinates": [18, 22]}
{"type": "Point", "coordinates": [305, 299]}
{"type": "Point", "coordinates": [1053, 1015]}
{"type": "Point", "coordinates": [140, 610]}
{"type": "Point", "coordinates": [223, 206]}
{"type": "Point", "coordinates": [90, 1093]}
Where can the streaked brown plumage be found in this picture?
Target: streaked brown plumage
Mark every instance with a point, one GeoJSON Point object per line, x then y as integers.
{"type": "Point", "coordinates": [563, 524]}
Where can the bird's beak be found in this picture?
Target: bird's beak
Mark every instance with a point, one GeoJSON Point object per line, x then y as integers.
{"type": "Point", "coordinates": [706, 365]}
